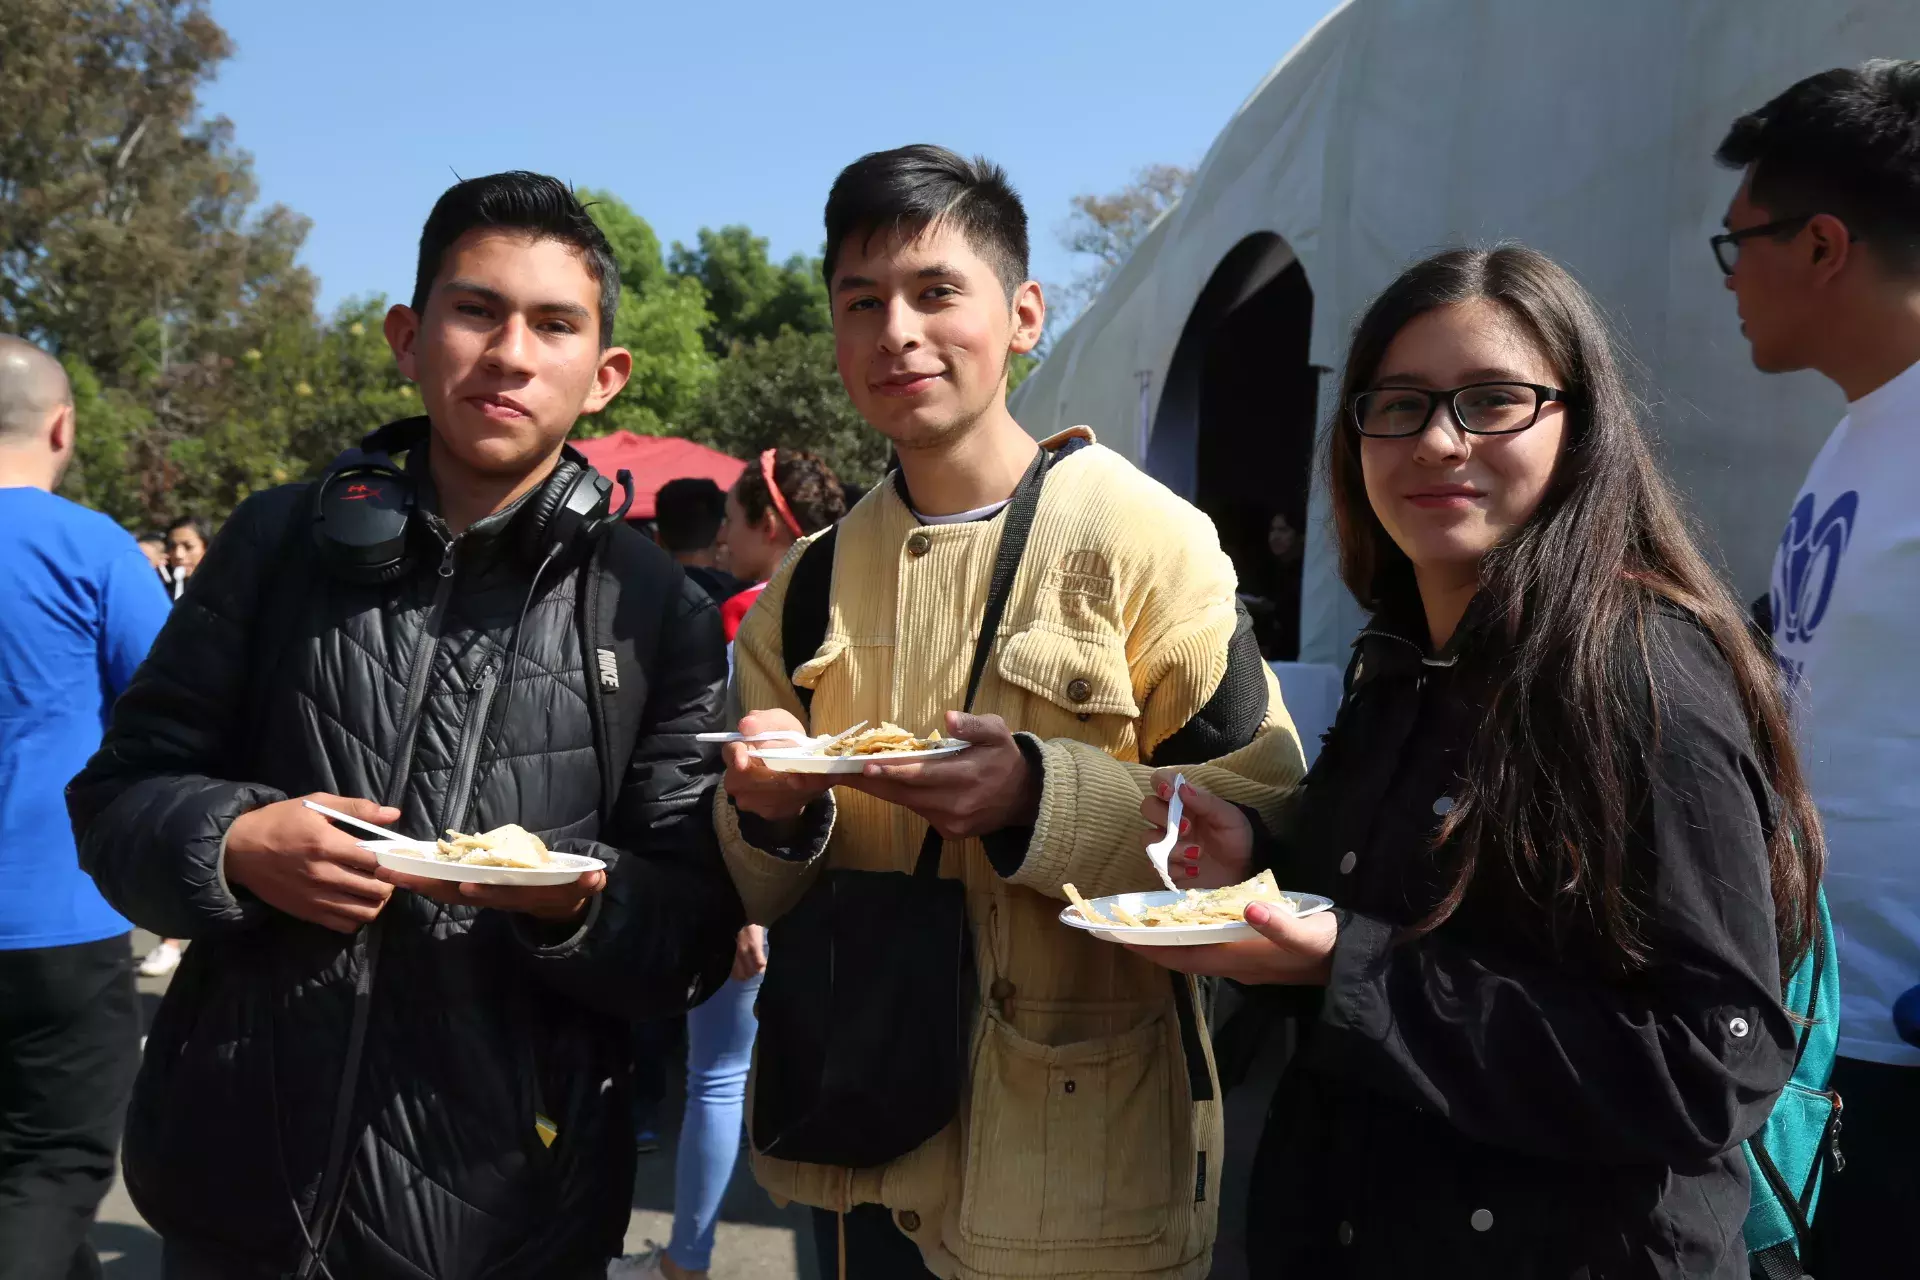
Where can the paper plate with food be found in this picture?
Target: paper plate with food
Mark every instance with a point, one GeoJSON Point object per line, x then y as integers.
{"type": "Point", "coordinates": [853, 752]}
{"type": "Point", "coordinates": [1184, 917]}
{"type": "Point", "coordinates": [505, 855]}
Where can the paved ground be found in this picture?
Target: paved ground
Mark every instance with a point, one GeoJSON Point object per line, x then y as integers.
{"type": "Point", "coordinates": [756, 1241]}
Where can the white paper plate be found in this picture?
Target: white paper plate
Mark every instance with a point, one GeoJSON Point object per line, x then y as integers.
{"type": "Point", "coordinates": [399, 855]}
{"type": "Point", "coordinates": [1189, 935]}
{"type": "Point", "coordinates": [805, 760]}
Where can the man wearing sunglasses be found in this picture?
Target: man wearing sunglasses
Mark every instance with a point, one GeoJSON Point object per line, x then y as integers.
{"type": "Point", "coordinates": [1822, 251]}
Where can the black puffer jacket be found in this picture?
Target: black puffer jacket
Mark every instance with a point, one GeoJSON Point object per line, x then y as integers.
{"type": "Point", "coordinates": [1482, 1101]}
{"type": "Point", "coordinates": [403, 693]}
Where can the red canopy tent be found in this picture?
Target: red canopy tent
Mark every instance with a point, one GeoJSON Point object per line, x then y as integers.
{"type": "Point", "coordinates": [654, 460]}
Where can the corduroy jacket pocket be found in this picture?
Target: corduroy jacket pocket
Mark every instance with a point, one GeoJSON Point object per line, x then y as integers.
{"type": "Point", "coordinates": [1073, 1144]}
{"type": "Point", "coordinates": [1075, 678]}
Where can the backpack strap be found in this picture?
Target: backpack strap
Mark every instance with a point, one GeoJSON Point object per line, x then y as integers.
{"type": "Point", "coordinates": [803, 619]}
{"type": "Point", "coordinates": [616, 669]}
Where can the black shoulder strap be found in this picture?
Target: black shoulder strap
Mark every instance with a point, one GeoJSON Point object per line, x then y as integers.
{"type": "Point", "coordinates": [615, 683]}
{"type": "Point", "coordinates": [803, 620]}
{"type": "Point", "coordinates": [1006, 562]}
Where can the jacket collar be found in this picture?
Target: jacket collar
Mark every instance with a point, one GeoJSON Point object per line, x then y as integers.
{"type": "Point", "coordinates": [1068, 442]}
{"type": "Point", "coordinates": [487, 530]}
{"type": "Point", "coordinates": [1397, 637]}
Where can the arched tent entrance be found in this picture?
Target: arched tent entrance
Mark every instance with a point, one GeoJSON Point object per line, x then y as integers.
{"type": "Point", "coordinates": [1235, 427]}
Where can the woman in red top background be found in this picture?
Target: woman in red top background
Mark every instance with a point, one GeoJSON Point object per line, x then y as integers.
{"type": "Point", "coordinates": [785, 495]}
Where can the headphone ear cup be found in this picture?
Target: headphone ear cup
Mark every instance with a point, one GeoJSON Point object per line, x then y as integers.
{"type": "Point", "coordinates": [360, 517]}
{"type": "Point", "coordinates": [545, 505]}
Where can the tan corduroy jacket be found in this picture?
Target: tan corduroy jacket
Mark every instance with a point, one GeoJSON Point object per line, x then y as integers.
{"type": "Point", "coordinates": [1079, 1150]}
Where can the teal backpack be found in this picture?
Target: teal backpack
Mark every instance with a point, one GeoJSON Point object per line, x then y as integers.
{"type": "Point", "coordinates": [1784, 1159]}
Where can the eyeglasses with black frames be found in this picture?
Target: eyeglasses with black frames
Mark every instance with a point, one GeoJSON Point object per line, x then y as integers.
{"type": "Point", "coordinates": [1481, 408]}
{"type": "Point", "coordinates": [1726, 245]}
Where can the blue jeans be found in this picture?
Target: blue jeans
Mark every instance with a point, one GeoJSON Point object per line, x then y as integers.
{"type": "Point", "coordinates": [719, 1052]}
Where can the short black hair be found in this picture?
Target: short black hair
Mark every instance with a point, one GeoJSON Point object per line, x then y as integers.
{"type": "Point", "coordinates": [687, 513]}
{"type": "Point", "coordinates": [194, 523]}
{"type": "Point", "coordinates": [518, 201]}
{"type": "Point", "coordinates": [909, 189]}
{"type": "Point", "coordinates": [1845, 142]}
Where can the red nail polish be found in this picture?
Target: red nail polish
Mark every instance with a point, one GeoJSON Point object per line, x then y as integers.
{"type": "Point", "coordinates": [1193, 871]}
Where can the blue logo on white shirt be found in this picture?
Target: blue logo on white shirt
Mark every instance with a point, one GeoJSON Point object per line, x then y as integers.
{"type": "Point", "coordinates": [1809, 561]}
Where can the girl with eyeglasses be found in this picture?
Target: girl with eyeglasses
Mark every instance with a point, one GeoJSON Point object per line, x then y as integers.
{"type": "Point", "coordinates": [1559, 813]}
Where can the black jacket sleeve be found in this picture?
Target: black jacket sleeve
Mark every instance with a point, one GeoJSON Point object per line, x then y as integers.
{"type": "Point", "coordinates": [659, 938]}
{"type": "Point", "coordinates": [151, 810]}
{"type": "Point", "coordinates": [1676, 1065]}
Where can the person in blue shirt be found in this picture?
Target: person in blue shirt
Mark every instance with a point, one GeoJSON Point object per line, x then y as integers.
{"type": "Point", "coordinates": [82, 607]}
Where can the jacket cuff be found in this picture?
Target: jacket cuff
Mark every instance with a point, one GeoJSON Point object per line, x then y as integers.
{"type": "Point", "coordinates": [546, 940]}
{"type": "Point", "coordinates": [219, 899]}
{"type": "Point", "coordinates": [1007, 847]}
{"type": "Point", "coordinates": [1089, 801]}
{"type": "Point", "coordinates": [801, 841]}
{"type": "Point", "coordinates": [769, 880]}
{"type": "Point", "coordinates": [1356, 991]}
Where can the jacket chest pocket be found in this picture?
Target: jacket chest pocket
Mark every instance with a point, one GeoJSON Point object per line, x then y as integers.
{"type": "Point", "coordinates": [1073, 683]}
{"type": "Point", "coordinates": [1073, 1144]}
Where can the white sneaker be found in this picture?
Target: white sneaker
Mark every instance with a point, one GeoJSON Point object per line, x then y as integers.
{"type": "Point", "coordinates": [161, 961]}
{"type": "Point", "coordinates": [639, 1266]}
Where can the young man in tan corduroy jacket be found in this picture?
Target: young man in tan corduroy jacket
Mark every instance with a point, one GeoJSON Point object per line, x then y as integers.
{"type": "Point", "coordinates": [1088, 1139]}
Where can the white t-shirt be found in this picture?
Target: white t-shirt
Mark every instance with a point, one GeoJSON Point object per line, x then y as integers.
{"type": "Point", "coordinates": [1846, 627]}
{"type": "Point", "coordinates": [987, 512]}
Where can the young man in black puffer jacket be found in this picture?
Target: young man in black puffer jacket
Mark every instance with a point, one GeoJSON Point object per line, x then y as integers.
{"type": "Point", "coordinates": [368, 1075]}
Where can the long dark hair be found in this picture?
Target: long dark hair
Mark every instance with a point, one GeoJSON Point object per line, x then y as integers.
{"type": "Point", "coordinates": [1558, 765]}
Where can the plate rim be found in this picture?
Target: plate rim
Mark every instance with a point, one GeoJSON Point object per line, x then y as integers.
{"type": "Point", "coordinates": [947, 747]}
{"type": "Point", "coordinates": [1314, 904]}
{"type": "Point", "coordinates": [393, 849]}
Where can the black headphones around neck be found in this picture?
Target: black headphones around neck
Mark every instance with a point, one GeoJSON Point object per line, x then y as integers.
{"type": "Point", "coordinates": [363, 505]}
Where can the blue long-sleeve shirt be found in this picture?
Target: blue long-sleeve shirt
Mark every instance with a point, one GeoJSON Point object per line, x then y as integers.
{"type": "Point", "coordinates": [79, 607]}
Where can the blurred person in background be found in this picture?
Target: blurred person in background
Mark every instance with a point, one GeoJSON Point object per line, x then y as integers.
{"type": "Point", "coordinates": [186, 545]}
{"type": "Point", "coordinates": [181, 551]}
{"type": "Point", "coordinates": [82, 609]}
{"type": "Point", "coordinates": [1822, 254]}
{"type": "Point", "coordinates": [687, 514]}
{"type": "Point", "coordinates": [780, 498]}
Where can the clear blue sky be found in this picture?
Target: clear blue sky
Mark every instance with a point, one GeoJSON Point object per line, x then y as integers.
{"type": "Point", "coordinates": [359, 114]}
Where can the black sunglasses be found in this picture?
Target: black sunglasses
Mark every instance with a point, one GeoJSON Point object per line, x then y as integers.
{"type": "Point", "coordinates": [1726, 246]}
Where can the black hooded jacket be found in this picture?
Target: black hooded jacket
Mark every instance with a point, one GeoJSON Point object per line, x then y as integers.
{"type": "Point", "coordinates": [274, 679]}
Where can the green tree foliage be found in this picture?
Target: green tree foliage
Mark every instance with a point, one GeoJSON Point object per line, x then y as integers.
{"type": "Point", "coordinates": [785, 391]}
{"type": "Point", "coordinates": [751, 297]}
{"type": "Point", "coordinates": [129, 246]}
{"type": "Point", "coordinates": [663, 320]}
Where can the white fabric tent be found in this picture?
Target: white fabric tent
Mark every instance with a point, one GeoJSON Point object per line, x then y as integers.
{"type": "Point", "coordinates": [1401, 126]}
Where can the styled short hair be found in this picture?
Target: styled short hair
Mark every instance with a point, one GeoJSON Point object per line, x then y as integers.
{"type": "Point", "coordinates": [534, 203]}
{"type": "Point", "coordinates": [1844, 142]}
{"type": "Point", "coordinates": [807, 483]}
{"type": "Point", "coordinates": [909, 189]}
{"type": "Point", "coordinates": [687, 513]}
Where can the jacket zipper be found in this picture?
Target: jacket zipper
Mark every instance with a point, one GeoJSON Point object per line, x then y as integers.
{"type": "Point", "coordinates": [364, 949]}
{"type": "Point", "coordinates": [473, 736]}
{"type": "Point", "coordinates": [418, 677]}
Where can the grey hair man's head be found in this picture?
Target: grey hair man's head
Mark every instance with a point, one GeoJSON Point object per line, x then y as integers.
{"type": "Point", "coordinates": [36, 413]}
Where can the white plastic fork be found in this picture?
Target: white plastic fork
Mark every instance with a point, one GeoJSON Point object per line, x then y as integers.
{"type": "Point", "coordinates": [1161, 849]}
{"type": "Point", "coordinates": [364, 825]}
